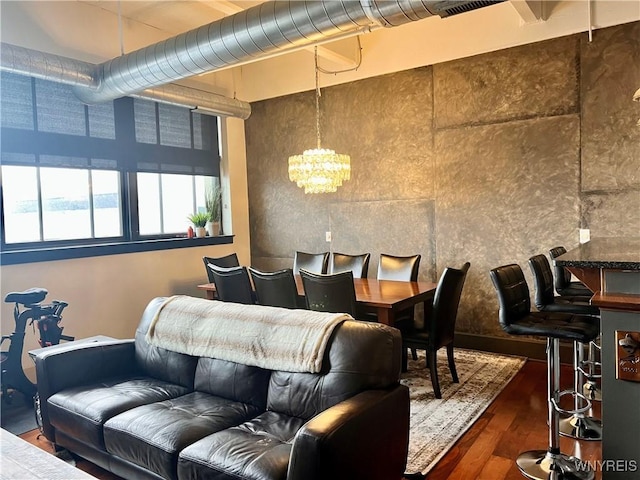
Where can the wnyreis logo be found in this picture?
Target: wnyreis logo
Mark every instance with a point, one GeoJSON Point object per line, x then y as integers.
{"type": "Point", "coordinates": [607, 465]}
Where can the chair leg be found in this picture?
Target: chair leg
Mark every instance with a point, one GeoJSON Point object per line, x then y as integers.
{"type": "Point", "coordinates": [414, 354]}
{"type": "Point", "coordinates": [433, 370]}
{"type": "Point", "coordinates": [404, 359]}
{"type": "Point", "coordinates": [452, 364]}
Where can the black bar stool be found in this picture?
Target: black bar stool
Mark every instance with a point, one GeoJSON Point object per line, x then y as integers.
{"type": "Point", "coordinates": [578, 425]}
{"type": "Point", "coordinates": [516, 318]}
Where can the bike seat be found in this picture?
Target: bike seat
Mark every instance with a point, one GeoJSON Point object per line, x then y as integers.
{"type": "Point", "coordinates": [28, 297]}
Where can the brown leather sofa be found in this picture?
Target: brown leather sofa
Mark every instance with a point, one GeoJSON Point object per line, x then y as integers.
{"type": "Point", "coordinates": [141, 411]}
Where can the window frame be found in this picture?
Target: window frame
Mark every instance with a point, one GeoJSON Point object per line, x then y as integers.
{"type": "Point", "coordinates": [129, 155]}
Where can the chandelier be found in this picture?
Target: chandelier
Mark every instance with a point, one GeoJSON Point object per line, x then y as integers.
{"type": "Point", "coordinates": [319, 170]}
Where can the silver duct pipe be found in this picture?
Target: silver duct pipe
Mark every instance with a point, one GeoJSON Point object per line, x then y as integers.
{"type": "Point", "coordinates": [250, 34]}
{"type": "Point", "coordinates": [55, 68]}
{"type": "Point", "coordinates": [266, 29]}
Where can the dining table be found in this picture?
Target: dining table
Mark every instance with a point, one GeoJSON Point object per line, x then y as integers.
{"type": "Point", "coordinates": [385, 297]}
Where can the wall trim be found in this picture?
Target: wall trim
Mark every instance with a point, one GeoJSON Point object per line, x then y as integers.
{"type": "Point", "coordinates": [524, 347]}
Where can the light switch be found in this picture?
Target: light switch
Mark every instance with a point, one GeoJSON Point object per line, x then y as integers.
{"type": "Point", "coordinates": [327, 236]}
{"type": "Point", "coordinates": [585, 235]}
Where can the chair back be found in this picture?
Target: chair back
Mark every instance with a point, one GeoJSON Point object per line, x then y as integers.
{"type": "Point", "coordinates": [330, 292]}
{"type": "Point", "coordinates": [227, 261]}
{"type": "Point", "coordinates": [276, 289]}
{"type": "Point", "coordinates": [404, 269]}
{"type": "Point", "coordinates": [562, 276]}
{"type": "Point", "coordinates": [356, 264]}
{"type": "Point", "coordinates": [311, 262]}
{"type": "Point", "coordinates": [513, 294]}
{"type": "Point", "coordinates": [543, 281]}
{"type": "Point", "coordinates": [445, 305]}
{"type": "Point", "coordinates": [232, 284]}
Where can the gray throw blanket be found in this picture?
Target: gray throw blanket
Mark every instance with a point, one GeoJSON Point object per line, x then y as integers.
{"type": "Point", "coordinates": [268, 337]}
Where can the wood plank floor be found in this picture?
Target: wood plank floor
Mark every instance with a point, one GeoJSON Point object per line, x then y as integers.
{"type": "Point", "coordinates": [515, 422]}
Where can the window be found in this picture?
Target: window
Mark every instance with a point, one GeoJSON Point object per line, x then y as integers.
{"type": "Point", "coordinates": [127, 171]}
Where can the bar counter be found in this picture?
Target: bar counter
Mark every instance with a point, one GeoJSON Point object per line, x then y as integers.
{"type": "Point", "coordinates": [610, 267]}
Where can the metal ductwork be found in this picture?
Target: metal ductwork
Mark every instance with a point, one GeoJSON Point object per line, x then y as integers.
{"type": "Point", "coordinates": [266, 29]}
{"type": "Point", "coordinates": [82, 75]}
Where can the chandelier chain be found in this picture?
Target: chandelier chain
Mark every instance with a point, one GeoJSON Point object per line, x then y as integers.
{"type": "Point", "coordinates": [317, 97]}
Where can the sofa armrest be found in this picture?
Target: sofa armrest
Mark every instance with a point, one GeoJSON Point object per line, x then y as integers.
{"type": "Point", "coordinates": [81, 364]}
{"type": "Point", "coordinates": [366, 436]}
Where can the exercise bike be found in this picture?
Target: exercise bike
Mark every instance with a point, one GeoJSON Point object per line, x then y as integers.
{"type": "Point", "coordinates": [47, 317]}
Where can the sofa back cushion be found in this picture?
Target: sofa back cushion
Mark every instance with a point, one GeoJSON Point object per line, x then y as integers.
{"type": "Point", "coordinates": [361, 356]}
{"type": "Point", "coordinates": [158, 362]}
{"type": "Point", "coordinates": [234, 381]}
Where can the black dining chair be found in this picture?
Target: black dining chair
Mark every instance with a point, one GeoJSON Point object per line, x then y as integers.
{"type": "Point", "coordinates": [227, 261]}
{"type": "Point", "coordinates": [330, 292]}
{"type": "Point", "coordinates": [311, 262]}
{"type": "Point", "coordinates": [562, 278]}
{"type": "Point", "coordinates": [356, 264]}
{"type": "Point", "coordinates": [276, 289]}
{"type": "Point", "coordinates": [400, 269]}
{"type": "Point", "coordinates": [439, 330]}
{"type": "Point", "coordinates": [403, 269]}
{"type": "Point", "coordinates": [232, 284]}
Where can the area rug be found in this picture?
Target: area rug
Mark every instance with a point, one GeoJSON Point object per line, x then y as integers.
{"type": "Point", "coordinates": [436, 424]}
{"type": "Point", "coordinates": [17, 416]}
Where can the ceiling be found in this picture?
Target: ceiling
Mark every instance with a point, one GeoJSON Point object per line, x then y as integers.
{"type": "Point", "coordinates": [98, 30]}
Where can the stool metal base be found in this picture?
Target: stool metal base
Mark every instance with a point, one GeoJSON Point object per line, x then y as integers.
{"type": "Point", "coordinates": [542, 465]}
{"type": "Point", "coordinates": [592, 391]}
{"type": "Point", "coordinates": [581, 428]}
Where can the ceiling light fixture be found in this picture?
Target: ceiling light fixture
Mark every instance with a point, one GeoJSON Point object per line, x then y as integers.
{"type": "Point", "coordinates": [319, 170]}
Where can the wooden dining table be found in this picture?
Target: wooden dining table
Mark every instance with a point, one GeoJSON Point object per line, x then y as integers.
{"type": "Point", "coordinates": [385, 297]}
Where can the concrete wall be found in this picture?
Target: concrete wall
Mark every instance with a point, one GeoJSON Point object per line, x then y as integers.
{"type": "Point", "coordinates": [489, 159]}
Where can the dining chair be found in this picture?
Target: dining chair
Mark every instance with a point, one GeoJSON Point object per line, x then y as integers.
{"type": "Point", "coordinates": [438, 331]}
{"type": "Point", "coordinates": [276, 289]}
{"type": "Point", "coordinates": [311, 262]}
{"type": "Point", "coordinates": [404, 269]}
{"type": "Point", "coordinates": [232, 284]}
{"type": "Point", "coordinates": [357, 264]}
{"type": "Point", "coordinates": [227, 261]}
{"type": "Point", "coordinates": [562, 278]}
{"type": "Point", "coordinates": [330, 292]}
{"type": "Point", "coordinates": [401, 269]}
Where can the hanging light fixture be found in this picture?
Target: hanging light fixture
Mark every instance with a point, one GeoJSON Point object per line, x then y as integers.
{"type": "Point", "coordinates": [319, 170]}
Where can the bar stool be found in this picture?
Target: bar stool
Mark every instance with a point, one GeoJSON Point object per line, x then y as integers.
{"type": "Point", "coordinates": [578, 425]}
{"type": "Point", "coordinates": [516, 318]}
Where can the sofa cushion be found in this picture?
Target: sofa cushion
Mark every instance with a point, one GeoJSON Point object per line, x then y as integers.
{"type": "Point", "coordinates": [152, 435]}
{"type": "Point", "coordinates": [80, 412]}
{"type": "Point", "coordinates": [232, 380]}
{"type": "Point", "coordinates": [255, 450]}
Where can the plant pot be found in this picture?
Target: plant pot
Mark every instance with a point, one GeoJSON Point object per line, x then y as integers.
{"type": "Point", "coordinates": [213, 229]}
{"type": "Point", "coordinates": [201, 232]}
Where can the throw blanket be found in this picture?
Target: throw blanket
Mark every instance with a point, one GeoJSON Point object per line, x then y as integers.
{"type": "Point", "coordinates": [267, 337]}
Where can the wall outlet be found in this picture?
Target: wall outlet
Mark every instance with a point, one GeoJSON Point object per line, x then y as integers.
{"type": "Point", "coordinates": [585, 235]}
{"type": "Point", "coordinates": [327, 236]}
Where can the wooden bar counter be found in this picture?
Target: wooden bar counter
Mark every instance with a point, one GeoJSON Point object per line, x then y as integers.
{"type": "Point", "coordinates": [610, 267]}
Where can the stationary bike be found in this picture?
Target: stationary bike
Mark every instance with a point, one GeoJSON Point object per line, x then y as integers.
{"type": "Point", "coordinates": [47, 318]}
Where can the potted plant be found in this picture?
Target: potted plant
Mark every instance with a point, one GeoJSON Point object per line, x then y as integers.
{"type": "Point", "coordinates": [199, 220]}
{"type": "Point", "coordinates": [213, 204]}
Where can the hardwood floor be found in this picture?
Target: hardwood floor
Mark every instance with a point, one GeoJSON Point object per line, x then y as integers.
{"type": "Point", "coordinates": [514, 422]}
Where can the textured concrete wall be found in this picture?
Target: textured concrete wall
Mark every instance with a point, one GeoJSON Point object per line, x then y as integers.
{"type": "Point", "coordinates": [489, 159]}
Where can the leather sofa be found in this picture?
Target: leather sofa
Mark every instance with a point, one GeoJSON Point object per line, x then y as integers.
{"type": "Point", "coordinates": [141, 411]}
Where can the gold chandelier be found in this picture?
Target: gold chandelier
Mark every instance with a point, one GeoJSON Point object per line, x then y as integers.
{"type": "Point", "coordinates": [319, 170]}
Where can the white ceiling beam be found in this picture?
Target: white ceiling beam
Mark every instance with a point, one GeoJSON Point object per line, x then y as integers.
{"type": "Point", "coordinates": [529, 10]}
